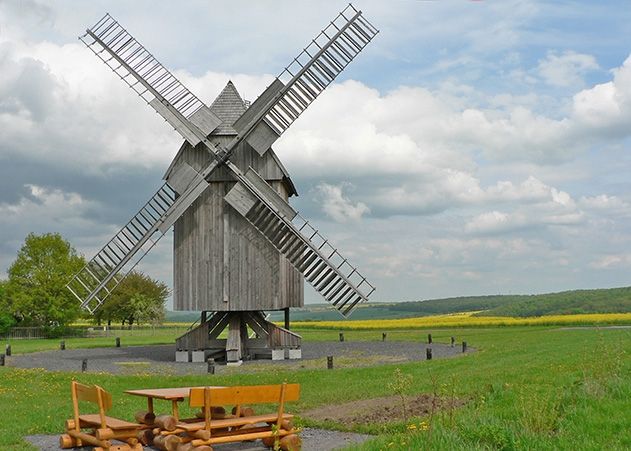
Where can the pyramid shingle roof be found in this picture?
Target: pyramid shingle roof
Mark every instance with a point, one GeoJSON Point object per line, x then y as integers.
{"type": "Point", "coordinates": [228, 106]}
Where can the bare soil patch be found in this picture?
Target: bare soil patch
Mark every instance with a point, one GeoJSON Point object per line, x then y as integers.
{"type": "Point", "coordinates": [382, 410]}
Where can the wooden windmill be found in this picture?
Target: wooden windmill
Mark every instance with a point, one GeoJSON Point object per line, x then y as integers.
{"type": "Point", "coordinates": [239, 247]}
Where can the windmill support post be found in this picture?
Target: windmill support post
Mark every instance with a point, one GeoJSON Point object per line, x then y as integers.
{"type": "Point", "coordinates": [238, 346]}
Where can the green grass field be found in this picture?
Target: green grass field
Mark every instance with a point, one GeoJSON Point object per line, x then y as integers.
{"type": "Point", "coordinates": [525, 388]}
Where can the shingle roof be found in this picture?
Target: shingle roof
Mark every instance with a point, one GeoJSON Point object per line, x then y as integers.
{"type": "Point", "coordinates": [228, 106]}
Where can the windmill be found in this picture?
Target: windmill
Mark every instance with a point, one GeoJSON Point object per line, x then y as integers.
{"type": "Point", "coordinates": [239, 247]}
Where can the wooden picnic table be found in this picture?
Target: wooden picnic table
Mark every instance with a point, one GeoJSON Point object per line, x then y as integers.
{"type": "Point", "coordinates": [174, 395]}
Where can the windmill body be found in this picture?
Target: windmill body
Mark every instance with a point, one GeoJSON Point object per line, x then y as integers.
{"type": "Point", "coordinates": [239, 247]}
{"type": "Point", "coordinates": [221, 262]}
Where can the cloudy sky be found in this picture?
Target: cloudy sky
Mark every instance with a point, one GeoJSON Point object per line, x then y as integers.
{"type": "Point", "coordinates": [472, 148]}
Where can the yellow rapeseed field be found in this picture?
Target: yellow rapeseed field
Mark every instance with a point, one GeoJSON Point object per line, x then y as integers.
{"type": "Point", "coordinates": [468, 320]}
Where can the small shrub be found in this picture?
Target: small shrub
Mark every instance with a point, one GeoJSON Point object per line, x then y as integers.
{"type": "Point", "coordinates": [492, 435]}
{"type": "Point", "coordinates": [400, 384]}
{"type": "Point", "coordinates": [540, 414]}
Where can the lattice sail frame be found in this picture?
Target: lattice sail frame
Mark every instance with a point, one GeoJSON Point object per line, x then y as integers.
{"type": "Point", "coordinates": [266, 119]}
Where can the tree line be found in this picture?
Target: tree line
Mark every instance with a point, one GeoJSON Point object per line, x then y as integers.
{"type": "Point", "coordinates": [35, 293]}
{"type": "Point", "coordinates": [605, 300]}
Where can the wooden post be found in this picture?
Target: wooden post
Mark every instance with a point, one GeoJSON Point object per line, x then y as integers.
{"type": "Point", "coordinates": [204, 317]}
{"type": "Point", "coordinates": [286, 318]}
{"type": "Point", "coordinates": [341, 336]}
{"type": "Point", "coordinates": [8, 350]}
{"type": "Point", "coordinates": [62, 345]}
{"type": "Point", "coordinates": [329, 362]}
{"type": "Point", "coordinates": [464, 346]}
{"type": "Point", "coordinates": [428, 353]}
{"type": "Point", "coordinates": [211, 366]}
{"type": "Point", "coordinates": [118, 342]}
{"type": "Point", "coordinates": [1, 359]}
{"type": "Point", "coordinates": [383, 336]}
{"type": "Point", "coordinates": [453, 341]}
{"type": "Point", "coordinates": [429, 339]}
{"type": "Point", "coordinates": [84, 365]}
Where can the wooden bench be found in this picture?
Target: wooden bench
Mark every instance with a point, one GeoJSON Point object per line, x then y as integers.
{"type": "Point", "coordinates": [236, 428]}
{"type": "Point", "coordinates": [104, 428]}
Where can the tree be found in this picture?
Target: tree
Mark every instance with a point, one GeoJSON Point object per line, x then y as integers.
{"type": "Point", "coordinates": [137, 299]}
{"type": "Point", "coordinates": [6, 320]}
{"type": "Point", "coordinates": [35, 291]}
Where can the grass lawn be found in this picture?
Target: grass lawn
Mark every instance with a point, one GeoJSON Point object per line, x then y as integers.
{"type": "Point", "coordinates": [526, 388]}
{"type": "Point", "coordinates": [128, 338]}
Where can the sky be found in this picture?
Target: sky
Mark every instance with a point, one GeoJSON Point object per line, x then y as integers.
{"type": "Point", "coordinates": [474, 147]}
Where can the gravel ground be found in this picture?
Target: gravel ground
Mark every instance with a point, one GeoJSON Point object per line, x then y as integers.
{"type": "Point", "coordinates": [312, 440]}
{"type": "Point", "coordinates": [161, 359]}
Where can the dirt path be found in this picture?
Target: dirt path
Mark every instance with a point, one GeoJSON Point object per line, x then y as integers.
{"type": "Point", "coordinates": [382, 410]}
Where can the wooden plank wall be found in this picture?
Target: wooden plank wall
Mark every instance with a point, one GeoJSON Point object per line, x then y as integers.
{"type": "Point", "coordinates": [252, 274]}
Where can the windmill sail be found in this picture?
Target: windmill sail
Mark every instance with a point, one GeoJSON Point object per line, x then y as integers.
{"type": "Point", "coordinates": [98, 278]}
{"type": "Point", "coordinates": [142, 72]}
{"type": "Point", "coordinates": [305, 78]}
{"type": "Point", "coordinates": [95, 282]}
{"type": "Point", "coordinates": [309, 252]}
{"type": "Point", "coordinates": [281, 104]}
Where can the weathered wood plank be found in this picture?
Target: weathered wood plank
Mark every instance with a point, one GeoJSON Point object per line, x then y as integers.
{"type": "Point", "coordinates": [205, 120]}
{"type": "Point", "coordinates": [270, 194]}
{"type": "Point", "coordinates": [258, 105]}
{"type": "Point", "coordinates": [175, 122]}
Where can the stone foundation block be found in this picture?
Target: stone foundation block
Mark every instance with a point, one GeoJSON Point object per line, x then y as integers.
{"type": "Point", "coordinates": [295, 354]}
{"type": "Point", "coordinates": [198, 356]}
{"type": "Point", "coordinates": [182, 356]}
{"type": "Point", "coordinates": [278, 354]}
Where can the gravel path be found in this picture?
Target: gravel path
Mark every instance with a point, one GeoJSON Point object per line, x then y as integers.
{"type": "Point", "coordinates": [161, 359]}
{"type": "Point", "coordinates": [312, 440]}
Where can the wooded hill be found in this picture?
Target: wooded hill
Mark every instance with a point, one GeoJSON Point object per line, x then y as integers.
{"type": "Point", "coordinates": [610, 300]}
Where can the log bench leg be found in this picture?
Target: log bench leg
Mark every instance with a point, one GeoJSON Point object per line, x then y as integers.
{"type": "Point", "coordinates": [81, 437]}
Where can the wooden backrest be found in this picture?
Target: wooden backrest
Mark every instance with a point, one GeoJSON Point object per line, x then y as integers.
{"type": "Point", "coordinates": [94, 394]}
{"type": "Point", "coordinates": [246, 394]}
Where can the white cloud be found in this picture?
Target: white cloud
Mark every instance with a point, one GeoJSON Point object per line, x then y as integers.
{"type": "Point", "coordinates": [566, 69]}
{"type": "Point", "coordinates": [605, 203]}
{"type": "Point", "coordinates": [44, 205]}
{"type": "Point", "coordinates": [612, 261]}
{"type": "Point", "coordinates": [606, 107]}
{"type": "Point", "coordinates": [338, 206]}
{"type": "Point", "coordinates": [556, 208]}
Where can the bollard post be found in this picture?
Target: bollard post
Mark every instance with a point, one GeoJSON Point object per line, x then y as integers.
{"type": "Point", "coordinates": [118, 342]}
{"type": "Point", "coordinates": [341, 336]}
{"type": "Point", "coordinates": [464, 346]}
{"type": "Point", "coordinates": [428, 353]}
{"type": "Point", "coordinates": [8, 350]}
{"type": "Point", "coordinates": [62, 345]}
{"type": "Point", "coordinates": [383, 336]}
{"type": "Point", "coordinates": [429, 339]}
{"type": "Point", "coordinates": [84, 365]}
{"type": "Point", "coordinates": [453, 341]}
{"type": "Point", "coordinates": [329, 362]}
{"type": "Point", "coordinates": [211, 365]}
{"type": "Point", "coordinates": [1, 359]}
